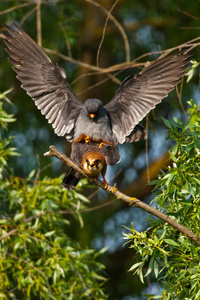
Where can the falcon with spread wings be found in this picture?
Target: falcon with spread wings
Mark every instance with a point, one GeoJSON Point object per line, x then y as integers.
{"type": "Point", "coordinates": [91, 123]}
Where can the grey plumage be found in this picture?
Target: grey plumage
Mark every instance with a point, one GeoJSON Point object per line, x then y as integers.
{"type": "Point", "coordinates": [139, 94]}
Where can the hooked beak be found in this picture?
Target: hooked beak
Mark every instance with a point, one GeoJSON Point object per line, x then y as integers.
{"type": "Point", "coordinates": [92, 116]}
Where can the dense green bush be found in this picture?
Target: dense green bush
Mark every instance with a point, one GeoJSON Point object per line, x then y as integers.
{"type": "Point", "coordinates": [174, 258]}
{"type": "Point", "coordinates": [38, 260]}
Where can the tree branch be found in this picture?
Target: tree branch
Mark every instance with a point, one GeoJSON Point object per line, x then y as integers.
{"type": "Point", "coordinates": [39, 29]}
{"type": "Point", "coordinates": [134, 202]}
{"type": "Point", "coordinates": [118, 25]}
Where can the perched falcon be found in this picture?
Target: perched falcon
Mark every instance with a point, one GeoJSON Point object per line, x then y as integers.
{"type": "Point", "coordinates": [117, 121]}
{"type": "Point", "coordinates": [102, 153]}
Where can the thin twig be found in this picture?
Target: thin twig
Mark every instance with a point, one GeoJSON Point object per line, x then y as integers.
{"type": "Point", "coordinates": [189, 15]}
{"type": "Point", "coordinates": [125, 65]}
{"type": "Point", "coordinates": [32, 266]}
{"type": "Point", "coordinates": [39, 31]}
{"type": "Point", "coordinates": [13, 231]}
{"type": "Point", "coordinates": [26, 16]}
{"type": "Point", "coordinates": [146, 149]}
{"type": "Point", "coordinates": [6, 11]}
{"type": "Point", "coordinates": [118, 25]}
{"type": "Point", "coordinates": [85, 286]}
{"type": "Point", "coordinates": [104, 31]}
{"type": "Point", "coordinates": [67, 43]}
{"type": "Point", "coordinates": [179, 94]}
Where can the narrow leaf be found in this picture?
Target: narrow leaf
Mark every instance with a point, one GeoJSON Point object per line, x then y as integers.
{"type": "Point", "coordinates": [171, 242]}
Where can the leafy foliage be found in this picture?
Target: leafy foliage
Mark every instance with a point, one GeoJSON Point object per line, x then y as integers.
{"type": "Point", "coordinates": [172, 257]}
{"type": "Point", "coordinates": [5, 149]}
{"type": "Point", "coordinates": [38, 260]}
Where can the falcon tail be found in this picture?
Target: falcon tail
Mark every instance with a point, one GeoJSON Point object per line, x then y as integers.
{"type": "Point", "coordinates": [71, 179]}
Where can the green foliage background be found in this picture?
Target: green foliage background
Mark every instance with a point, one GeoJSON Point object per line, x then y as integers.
{"type": "Point", "coordinates": [161, 249]}
{"type": "Point", "coordinates": [38, 260]}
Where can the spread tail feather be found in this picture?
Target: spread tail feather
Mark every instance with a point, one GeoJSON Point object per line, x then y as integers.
{"type": "Point", "coordinates": [71, 179]}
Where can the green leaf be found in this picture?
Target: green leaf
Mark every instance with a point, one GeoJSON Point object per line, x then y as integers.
{"type": "Point", "coordinates": [136, 265]}
{"type": "Point", "coordinates": [173, 157]}
{"type": "Point", "coordinates": [3, 296]}
{"type": "Point", "coordinates": [18, 216]}
{"type": "Point", "coordinates": [169, 177]}
{"type": "Point", "coordinates": [197, 296]}
{"type": "Point", "coordinates": [197, 143]}
{"type": "Point", "coordinates": [50, 233]}
{"type": "Point", "coordinates": [196, 180]}
{"type": "Point", "coordinates": [3, 221]}
{"type": "Point", "coordinates": [81, 197]}
{"type": "Point", "coordinates": [152, 296]}
{"type": "Point", "coordinates": [103, 250]}
{"type": "Point", "coordinates": [156, 269]}
{"type": "Point", "coordinates": [31, 175]}
{"type": "Point", "coordinates": [141, 275]}
{"type": "Point", "coordinates": [167, 123]}
{"type": "Point", "coordinates": [171, 242]}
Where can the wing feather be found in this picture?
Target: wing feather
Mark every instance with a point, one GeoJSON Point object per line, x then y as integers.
{"type": "Point", "coordinates": [139, 94]}
{"type": "Point", "coordinates": [44, 82]}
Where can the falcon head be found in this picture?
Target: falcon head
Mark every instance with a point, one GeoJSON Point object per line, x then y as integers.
{"type": "Point", "coordinates": [94, 163]}
{"type": "Point", "coordinates": [93, 107]}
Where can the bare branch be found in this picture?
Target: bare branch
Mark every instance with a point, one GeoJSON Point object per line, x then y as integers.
{"type": "Point", "coordinates": [67, 43]}
{"type": "Point", "coordinates": [26, 16]}
{"type": "Point", "coordinates": [112, 18]}
{"type": "Point", "coordinates": [104, 31]}
{"type": "Point", "coordinates": [125, 65]}
{"type": "Point", "coordinates": [147, 150]}
{"type": "Point", "coordinates": [179, 94]}
{"type": "Point", "coordinates": [6, 11]}
{"type": "Point", "coordinates": [11, 232]}
{"type": "Point", "coordinates": [39, 31]}
{"type": "Point", "coordinates": [134, 202]}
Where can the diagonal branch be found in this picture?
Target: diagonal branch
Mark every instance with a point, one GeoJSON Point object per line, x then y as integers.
{"type": "Point", "coordinates": [134, 202]}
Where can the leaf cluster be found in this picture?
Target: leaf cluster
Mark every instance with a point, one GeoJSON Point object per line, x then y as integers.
{"type": "Point", "coordinates": [38, 259]}
{"type": "Point", "coordinates": [161, 250]}
{"type": "Point", "coordinates": [5, 148]}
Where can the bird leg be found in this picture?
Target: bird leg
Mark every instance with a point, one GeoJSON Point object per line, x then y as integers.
{"type": "Point", "coordinates": [103, 173]}
{"type": "Point", "coordinates": [101, 145]}
{"type": "Point", "coordinates": [83, 138]}
{"type": "Point", "coordinates": [107, 143]}
{"type": "Point", "coordinates": [104, 181]}
{"type": "Point", "coordinates": [87, 139]}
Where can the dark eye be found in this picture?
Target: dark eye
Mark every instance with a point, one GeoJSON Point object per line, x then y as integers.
{"type": "Point", "coordinates": [87, 161]}
{"type": "Point", "coordinates": [97, 161]}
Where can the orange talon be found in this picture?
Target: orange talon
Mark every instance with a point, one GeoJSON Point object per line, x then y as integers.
{"type": "Point", "coordinates": [106, 184]}
{"type": "Point", "coordinates": [87, 139]}
{"type": "Point", "coordinates": [101, 145]}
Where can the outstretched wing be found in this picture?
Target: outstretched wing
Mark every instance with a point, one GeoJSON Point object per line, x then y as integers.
{"type": "Point", "coordinates": [139, 94]}
{"type": "Point", "coordinates": [45, 82]}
